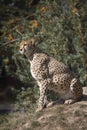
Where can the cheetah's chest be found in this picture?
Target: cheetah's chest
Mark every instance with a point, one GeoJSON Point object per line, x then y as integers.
{"type": "Point", "coordinates": [34, 71]}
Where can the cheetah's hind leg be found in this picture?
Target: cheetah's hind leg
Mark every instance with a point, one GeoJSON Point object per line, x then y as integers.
{"type": "Point", "coordinates": [73, 88]}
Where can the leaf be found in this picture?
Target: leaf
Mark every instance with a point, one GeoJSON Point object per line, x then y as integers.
{"type": "Point", "coordinates": [10, 37]}
{"type": "Point", "coordinates": [35, 23]}
{"type": "Point", "coordinates": [43, 9]}
{"type": "Point", "coordinates": [13, 21]}
{"type": "Point", "coordinates": [75, 11]}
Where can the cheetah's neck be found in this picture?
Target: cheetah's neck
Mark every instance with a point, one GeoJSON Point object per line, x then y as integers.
{"type": "Point", "coordinates": [30, 54]}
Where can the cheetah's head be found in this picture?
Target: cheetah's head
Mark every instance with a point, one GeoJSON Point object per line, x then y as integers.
{"type": "Point", "coordinates": [27, 46]}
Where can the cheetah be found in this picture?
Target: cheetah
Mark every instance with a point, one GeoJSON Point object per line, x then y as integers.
{"type": "Point", "coordinates": [51, 74]}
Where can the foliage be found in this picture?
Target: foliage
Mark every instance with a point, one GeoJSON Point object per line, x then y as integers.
{"type": "Point", "coordinates": [62, 26]}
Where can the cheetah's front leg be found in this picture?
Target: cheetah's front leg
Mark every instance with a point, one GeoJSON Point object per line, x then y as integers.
{"type": "Point", "coordinates": [42, 99]}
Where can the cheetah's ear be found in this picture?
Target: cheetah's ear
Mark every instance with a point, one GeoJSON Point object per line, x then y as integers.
{"type": "Point", "coordinates": [34, 41]}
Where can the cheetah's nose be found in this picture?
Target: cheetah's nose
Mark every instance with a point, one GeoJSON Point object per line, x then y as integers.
{"type": "Point", "coordinates": [21, 51]}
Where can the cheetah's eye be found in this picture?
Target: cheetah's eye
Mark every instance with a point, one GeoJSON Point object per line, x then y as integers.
{"type": "Point", "coordinates": [31, 42]}
{"type": "Point", "coordinates": [25, 44]}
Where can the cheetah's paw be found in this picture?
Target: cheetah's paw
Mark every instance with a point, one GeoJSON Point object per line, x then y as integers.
{"type": "Point", "coordinates": [69, 101]}
{"type": "Point", "coordinates": [39, 109]}
{"type": "Point", "coordinates": [50, 104]}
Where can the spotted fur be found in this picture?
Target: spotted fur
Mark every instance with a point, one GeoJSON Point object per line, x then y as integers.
{"type": "Point", "coordinates": [51, 74]}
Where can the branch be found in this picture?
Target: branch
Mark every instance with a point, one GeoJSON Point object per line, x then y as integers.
{"type": "Point", "coordinates": [19, 32]}
{"type": "Point", "coordinates": [4, 44]}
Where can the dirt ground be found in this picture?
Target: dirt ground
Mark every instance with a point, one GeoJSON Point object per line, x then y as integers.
{"type": "Point", "coordinates": [57, 117]}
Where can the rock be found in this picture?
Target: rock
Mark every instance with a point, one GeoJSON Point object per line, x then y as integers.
{"type": "Point", "coordinates": [85, 90]}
